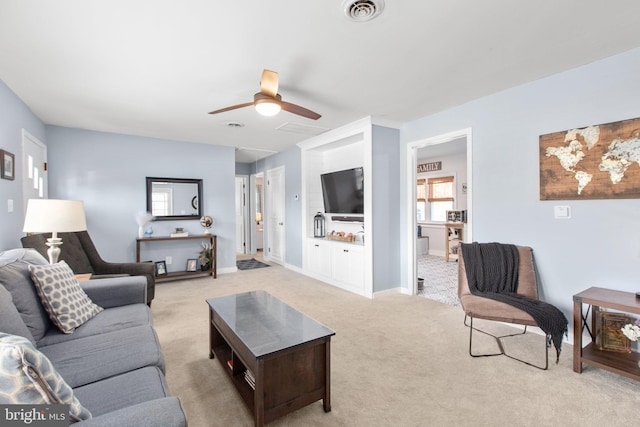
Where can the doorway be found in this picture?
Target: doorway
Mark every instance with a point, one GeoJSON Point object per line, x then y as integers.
{"type": "Point", "coordinates": [440, 281]}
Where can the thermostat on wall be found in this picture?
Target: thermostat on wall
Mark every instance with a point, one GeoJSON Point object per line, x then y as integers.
{"type": "Point", "coordinates": [562, 212]}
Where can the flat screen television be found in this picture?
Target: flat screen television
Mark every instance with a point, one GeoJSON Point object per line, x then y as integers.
{"type": "Point", "coordinates": [343, 191]}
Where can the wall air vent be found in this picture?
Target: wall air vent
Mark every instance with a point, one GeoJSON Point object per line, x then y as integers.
{"type": "Point", "coordinates": [362, 10]}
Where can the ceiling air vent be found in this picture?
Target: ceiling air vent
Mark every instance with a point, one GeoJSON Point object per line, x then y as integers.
{"type": "Point", "coordinates": [362, 10]}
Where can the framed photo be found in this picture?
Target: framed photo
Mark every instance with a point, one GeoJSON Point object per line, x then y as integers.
{"type": "Point", "coordinates": [7, 165]}
{"type": "Point", "coordinates": [161, 268]}
{"type": "Point", "coordinates": [610, 337]}
{"type": "Point", "coordinates": [191, 264]}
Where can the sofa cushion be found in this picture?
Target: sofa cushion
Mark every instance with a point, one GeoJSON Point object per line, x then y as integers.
{"type": "Point", "coordinates": [15, 277]}
{"type": "Point", "coordinates": [28, 377]}
{"type": "Point", "coordinates": [64, 300]}
{"type": "Point", "coordinates": [10, 320]}
{"type": "Point", "coordinates": [112, 319]}
{"type": "Point", "coordinates": [93, 358]}
{"type": "Point", "coordinates": [123, 390]}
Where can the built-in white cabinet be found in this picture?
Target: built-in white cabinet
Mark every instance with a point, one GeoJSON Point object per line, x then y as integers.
{"type": "Point", "coordinates": [354, 266]}
{"type": "Point", "coordinates": [346, 265]}
{"type": "Point", "coordinates": [340, 264]}
{"type": "Point", "coordinates": [319, 258]}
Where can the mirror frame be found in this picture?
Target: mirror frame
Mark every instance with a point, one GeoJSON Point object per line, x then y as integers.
{"type": "Point", "coordinates": [151, 180]}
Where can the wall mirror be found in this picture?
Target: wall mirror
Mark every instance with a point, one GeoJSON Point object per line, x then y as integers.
{"type": "Point", "coordinates": [174, 198]}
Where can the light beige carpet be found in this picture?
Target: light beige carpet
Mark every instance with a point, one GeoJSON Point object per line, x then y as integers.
{"type": "Point", "coordinates": [396, 361]}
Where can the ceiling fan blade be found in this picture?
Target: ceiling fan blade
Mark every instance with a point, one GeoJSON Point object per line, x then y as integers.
{"type": "Point", "coordinates": [233, 107]}
{"type": "Point", "coordinates": [269, 82]}
{"type": "Point", "coordinates": [301, 111]}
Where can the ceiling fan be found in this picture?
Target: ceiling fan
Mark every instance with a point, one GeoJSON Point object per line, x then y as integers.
{"type": "Point", "coordinates": [268, 101]}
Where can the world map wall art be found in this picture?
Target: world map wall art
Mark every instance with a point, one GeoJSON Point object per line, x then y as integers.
{"type": "Point", "coordinates": [595, 162]}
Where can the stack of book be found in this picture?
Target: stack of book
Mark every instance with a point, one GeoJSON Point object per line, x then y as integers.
{"type": "Point", "coordinates": [248, 377]}
{"type": "Point", "coordinates": [180, 234]}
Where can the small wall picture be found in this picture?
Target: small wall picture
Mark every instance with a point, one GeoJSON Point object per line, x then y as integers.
{"type": "Point", "coordinates": [161, 268]}
{"type": "Point", "coordinates": [7, 165]}
{"type": "Point", "coordinates": [191, 264]}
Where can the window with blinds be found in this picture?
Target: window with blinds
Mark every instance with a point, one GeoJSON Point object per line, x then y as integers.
{"type": "Point", "coordinates": [440, 197]}
{"type": "Point", "coordinates": [441, 189]}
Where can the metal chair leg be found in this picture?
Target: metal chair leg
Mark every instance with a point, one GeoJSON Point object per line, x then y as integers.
{"type": "Point", "coordinates": [501, 347]}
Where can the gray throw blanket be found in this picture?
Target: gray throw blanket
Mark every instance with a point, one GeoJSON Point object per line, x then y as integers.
{"type": "Point", "coordinates": [492, 272]}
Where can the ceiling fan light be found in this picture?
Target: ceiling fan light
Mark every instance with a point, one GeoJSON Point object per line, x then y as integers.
{"type": "Point", "coordinates": [268, 107]}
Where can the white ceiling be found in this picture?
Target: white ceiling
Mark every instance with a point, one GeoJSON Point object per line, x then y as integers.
{"type": "Point", "coordinates": [156, 67]}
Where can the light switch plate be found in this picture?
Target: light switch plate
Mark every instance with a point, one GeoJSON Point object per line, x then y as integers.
{"type": "Point", "coordinates": [9, 205]}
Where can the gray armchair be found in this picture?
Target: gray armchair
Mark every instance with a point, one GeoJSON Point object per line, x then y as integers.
{"type": "Point", "coordinates": [79, 252]}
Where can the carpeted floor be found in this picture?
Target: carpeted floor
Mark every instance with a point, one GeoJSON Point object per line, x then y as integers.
{"type": "Point", "coordinates": [440, 279]}
{"type": "Point", "coordinates": [396, 360]}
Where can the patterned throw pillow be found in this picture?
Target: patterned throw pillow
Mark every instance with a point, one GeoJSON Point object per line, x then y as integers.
{"type": "Point", "coordinates": [63, 299]}
{"type": "Point", "coordinates": [27, 377]}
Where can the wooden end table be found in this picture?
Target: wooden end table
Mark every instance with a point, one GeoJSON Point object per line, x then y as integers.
{"type": "Point", "coordinates": [596, 298]}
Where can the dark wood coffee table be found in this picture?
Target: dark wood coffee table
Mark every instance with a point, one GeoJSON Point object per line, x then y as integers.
{"type": "Point", "coordinates": [277, 358]}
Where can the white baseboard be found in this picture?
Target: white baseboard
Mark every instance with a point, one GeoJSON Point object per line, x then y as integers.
{"type": "Point", "coordinates": [227, 270]}
{"type": "Point", "coordinates": [397, 290]}
{"type": "Point", "coordinates": [293, 268]}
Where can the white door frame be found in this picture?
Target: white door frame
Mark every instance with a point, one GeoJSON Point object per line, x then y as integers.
{"type": "Point", "coordinates": [26, 139]}
{"type": "Point", "coordinates": [267, 214]}
{"type": "Point", "coordinates": [245, 213]}
{"type": "Point", "coordinates": [410, 183]}
{"type": "Point", "coordinates": [252, 211]}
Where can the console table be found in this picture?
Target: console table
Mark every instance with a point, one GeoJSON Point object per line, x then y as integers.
{"type": "Point", "coordinates": [596, 298]}
{"type": "Point", "coordinates": [213, 244]}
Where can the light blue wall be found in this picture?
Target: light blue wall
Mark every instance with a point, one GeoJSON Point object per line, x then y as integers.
{"type": "Point", "coordinates": [107, 171]}
{"type": "Point", "coordinates": [243, 168]}
{"type": "Point", "coordinates": [291, 160]}
{"type": "Point", "coordinates": [600, 245]}
{"type": "Point", "coordinates": [386, 215]}
{"type": "Point", "coordinates": [15, 116]}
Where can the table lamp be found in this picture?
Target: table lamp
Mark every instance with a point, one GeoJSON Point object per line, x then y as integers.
{"type": "Point", "coordinates": [54, 216]}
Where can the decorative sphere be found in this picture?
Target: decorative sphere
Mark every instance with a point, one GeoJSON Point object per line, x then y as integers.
{"type": "Point", "coordinates": [206, 221]}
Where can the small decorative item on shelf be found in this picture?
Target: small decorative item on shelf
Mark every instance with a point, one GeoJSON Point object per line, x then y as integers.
{"type": "Point", "coordinates": [318, 225]}
{"type": "Point", "coordinates": [180, 232]}
{"type": "Point", "coordinates": [206, 221]}
{"type": "Point", "coordinates": [191, 264]}
{"type": "Point", "coordinates": [632, 331]}
{"type": "Point", "coordinates": [161, 268]}
{"type": "Point", "coordinates": [143, 219]}
{"type": "Point", "coordinates": [148, 232]}
{"type": "Point", "coordinates": [611, 336]}
{"type": "Point", "coordinates": [205, 257]}
{"type": "Point", "coordinates": [341, 235]}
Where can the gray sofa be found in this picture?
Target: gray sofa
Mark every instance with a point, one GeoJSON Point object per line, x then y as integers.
{"type": "Point", "coordinates": [113, 362]}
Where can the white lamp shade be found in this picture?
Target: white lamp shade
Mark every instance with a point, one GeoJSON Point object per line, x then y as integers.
{"type": "Point", "coordinates": [52, 215]}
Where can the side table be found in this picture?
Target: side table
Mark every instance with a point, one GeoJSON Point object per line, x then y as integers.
{"type": "Point", "coordinates": [596, 298]}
